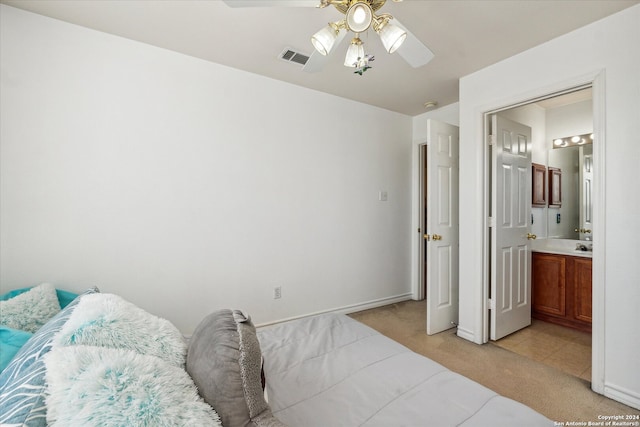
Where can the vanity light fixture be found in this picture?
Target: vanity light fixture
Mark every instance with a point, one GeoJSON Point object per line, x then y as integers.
{"type": "Point", "coordinates": [573, 140]}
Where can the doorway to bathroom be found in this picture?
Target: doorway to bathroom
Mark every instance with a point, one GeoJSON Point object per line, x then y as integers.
{"type": "Point", "coordinates": [540, 184]}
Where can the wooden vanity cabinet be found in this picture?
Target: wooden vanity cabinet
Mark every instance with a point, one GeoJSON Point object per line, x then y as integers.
{"type": "Point", "coordinates": [561, 290]}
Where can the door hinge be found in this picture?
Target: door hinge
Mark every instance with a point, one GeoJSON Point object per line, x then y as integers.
{"type": "Point", "coordinates": [491, 139]}
{"type": "Point", "coordinates": [491, 222]}
{"type": "Point", "coordinates": [491, 303]}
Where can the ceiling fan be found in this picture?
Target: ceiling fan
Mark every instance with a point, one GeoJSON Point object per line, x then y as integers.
{"type": "Point", "coordinates": [359, 17]}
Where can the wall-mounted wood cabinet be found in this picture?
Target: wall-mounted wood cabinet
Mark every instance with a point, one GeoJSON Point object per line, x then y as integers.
{"type": "Point", "coordinates": [539, 179]}
{"type": "Point", "coordinates": [555, 187]}
{"type": "Point", "coordinates": [561, 290]}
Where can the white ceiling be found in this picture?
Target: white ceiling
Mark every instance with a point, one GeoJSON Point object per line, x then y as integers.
{"type": "Point", "coordinates": [465, 35]}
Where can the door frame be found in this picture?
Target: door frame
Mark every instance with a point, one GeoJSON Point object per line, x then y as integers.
{"type": "Point", "coordinates": [418, 291]}
{"type": "Point", "coordinates": [596, 80]}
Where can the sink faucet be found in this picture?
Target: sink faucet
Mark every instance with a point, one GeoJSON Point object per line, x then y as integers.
{"type": "Point", "coordinates": [583, 247]}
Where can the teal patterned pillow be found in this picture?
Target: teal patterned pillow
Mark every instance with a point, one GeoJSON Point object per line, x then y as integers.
{"type": "Point", "coordinates": [22, 384]}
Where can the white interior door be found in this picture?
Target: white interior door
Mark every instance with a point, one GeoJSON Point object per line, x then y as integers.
{"type": "Point", "coordinates": [586, 186]}
{"type": "Point", "coordinates": [442, 227]}
{"type": "Point", "coordinates": [510, 299]}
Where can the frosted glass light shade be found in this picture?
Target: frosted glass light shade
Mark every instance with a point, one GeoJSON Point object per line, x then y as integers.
{"type": "Point", "coordinates": [355, 53]}
{"type": "Point", "coordinates": [392, 36]}
{"type": "Point", "coordinates": [359, 17]}
{"type": "Point", "coordinates": [324, 39]}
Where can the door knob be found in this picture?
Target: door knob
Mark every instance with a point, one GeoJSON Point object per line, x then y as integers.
{"type": "Point", "coordinates": [437, 237]}
{"type": "Point", "coordinates": [531, 236]}
{"type": "Point", "coordinates": [427, 237]}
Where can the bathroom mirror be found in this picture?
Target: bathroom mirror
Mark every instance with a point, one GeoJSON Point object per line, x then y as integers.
{"type": "Point", "coordinates": [573, 218]}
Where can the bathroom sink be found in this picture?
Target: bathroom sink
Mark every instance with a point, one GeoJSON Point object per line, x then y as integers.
{"type": "Point", "coordinates": [581, 247]}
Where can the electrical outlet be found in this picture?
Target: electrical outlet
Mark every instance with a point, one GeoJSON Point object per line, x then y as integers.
{"type": "Point", "coordinates": [277, 292]}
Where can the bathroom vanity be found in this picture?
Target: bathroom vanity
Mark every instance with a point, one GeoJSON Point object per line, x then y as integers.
{"type": "Point", "coordinates": [561, 282]}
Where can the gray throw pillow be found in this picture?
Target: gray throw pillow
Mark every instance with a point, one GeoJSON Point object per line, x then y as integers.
{"type": "Point", "coordinates": [224, 361]}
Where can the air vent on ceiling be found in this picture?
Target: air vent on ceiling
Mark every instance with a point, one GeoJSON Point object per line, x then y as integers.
{"type": "Point", "coordinates": [293, 56]}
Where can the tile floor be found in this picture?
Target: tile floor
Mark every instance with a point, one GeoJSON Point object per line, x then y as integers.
{"type": "Point", "coordinates": [563, 348]}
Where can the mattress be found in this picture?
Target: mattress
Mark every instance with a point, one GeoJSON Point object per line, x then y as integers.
{"type": "Point", "coordinates": [331, 370]}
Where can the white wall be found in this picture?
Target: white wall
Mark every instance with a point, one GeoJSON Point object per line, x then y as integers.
{"type": "Point", "coordinates": [448, 114]}
{"type": "Point", "coordinates": [186, 186]}
{"type": "Point", "coordinates": [608, 49]}
{"type": "Point", "coordinates": [569, 120]}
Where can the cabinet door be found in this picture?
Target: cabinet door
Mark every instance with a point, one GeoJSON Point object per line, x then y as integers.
{"type": "Point", "coordinates": [555, 187]}
{"type": "Point", "coordinates": [539, 179]}
{"type": "Point", "coordinates": [582, 289]}
{"type": "Point", "coordinates": [549, 283]}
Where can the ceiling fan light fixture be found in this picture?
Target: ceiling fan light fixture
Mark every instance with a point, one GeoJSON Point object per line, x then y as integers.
{"type": "Point", "coordinates": [391, 35]}
{"type": "Point", "coordinates": [359, 17]}
{"type": "Point", "coordinates": [324, 39]}
{"type": "Point", "coordinates": [355, 53]}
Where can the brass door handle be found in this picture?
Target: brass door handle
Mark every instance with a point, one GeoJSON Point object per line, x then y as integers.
{"type": "Point", "coordinates": [427, 237]}
{"type": "Point", "coordinates": [531, 236]}
{"type": "Point", "coordinates": [437, 237]}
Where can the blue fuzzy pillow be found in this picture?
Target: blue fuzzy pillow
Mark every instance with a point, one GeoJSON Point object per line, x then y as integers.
{"type": "Point", "coordinates": [12, 334]}
{"type": "Point", "coordinates": [64, 297]}
{"type": "Point", "coordinates": [30, 310]}
{"type": "Point", "coordinates": [22, 383]}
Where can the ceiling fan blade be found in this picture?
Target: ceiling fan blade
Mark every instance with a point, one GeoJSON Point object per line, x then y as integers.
{"type": "Point", "coordinates": [272, 3]}
{"type": "Point", "coordinates": [317, 60]}
{"type": "Point", "coordinates": [413, 50]}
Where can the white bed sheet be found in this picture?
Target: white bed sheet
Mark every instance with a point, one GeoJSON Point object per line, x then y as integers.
{"type": "Point", "coordinates": [331, 370]}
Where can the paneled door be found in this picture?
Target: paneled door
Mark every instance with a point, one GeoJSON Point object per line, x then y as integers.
{"type": "Point", "coordinates": [586, 183]}
{"type": "Point", "coordinates": [442, 227]}
{"type": "Point", "coordinates": [510, 299]}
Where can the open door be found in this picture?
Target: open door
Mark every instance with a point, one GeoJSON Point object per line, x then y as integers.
{"type": "Point", "coordinates": [441, 225]}
{"type": "Point", "coordinates": [585, 226]}
{"type": "Point", "coordinates": [510, 298]}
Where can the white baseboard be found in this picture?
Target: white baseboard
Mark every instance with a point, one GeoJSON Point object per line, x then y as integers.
{"type": "Point", "coordinates": [622, 395]}
{"type": "Point", "coordinates": [348, 308]}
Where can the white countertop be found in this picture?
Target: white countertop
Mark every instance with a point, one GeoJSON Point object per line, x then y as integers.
{"type": "Point", "coordinates": [562, 247]}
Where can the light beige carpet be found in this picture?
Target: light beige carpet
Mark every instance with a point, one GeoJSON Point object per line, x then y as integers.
{"type": "Point", "coordinates": [557, 395]}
